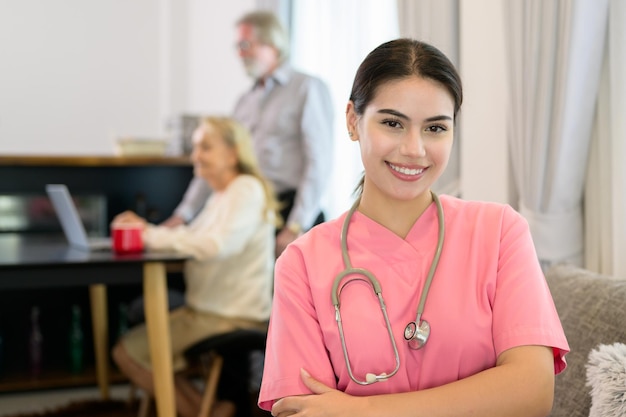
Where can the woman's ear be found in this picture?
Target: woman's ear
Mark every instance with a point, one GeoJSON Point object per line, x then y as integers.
{"type": "Point", "coordinates": [234, 158]}
{"type": "Point", "coordinates": [351, 121]}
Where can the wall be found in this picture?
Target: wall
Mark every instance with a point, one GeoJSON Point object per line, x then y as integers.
{"type": "Point", "coordinates": [75, 75]}
{"type": "Point", "coordinates": [216, 75]}
{"type": "Point", "coordinates": [484, 149]}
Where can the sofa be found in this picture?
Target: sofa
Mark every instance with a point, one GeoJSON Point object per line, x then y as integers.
{"type": "Point", "coordinates": [592, 308]}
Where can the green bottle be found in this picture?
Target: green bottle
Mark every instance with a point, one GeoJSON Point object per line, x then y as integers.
{"type": "Point", "coordinates": [122, 326]}
{"type": "Point", "coordinates": [1, 353]}
{"type": "Point", "coordinates": [76, 341]}
{"type": "Point", "coordinates": [35, 343]}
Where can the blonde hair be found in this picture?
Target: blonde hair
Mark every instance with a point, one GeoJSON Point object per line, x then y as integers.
{"type": "Point", "coordinates": [237, 137]}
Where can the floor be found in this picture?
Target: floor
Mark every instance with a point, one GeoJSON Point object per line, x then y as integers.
{"type": "Point", "coordinates": [38, 401]}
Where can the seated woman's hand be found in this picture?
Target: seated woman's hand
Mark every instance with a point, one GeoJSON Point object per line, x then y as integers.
{"type": "Point", "coordinates": [129, 217]}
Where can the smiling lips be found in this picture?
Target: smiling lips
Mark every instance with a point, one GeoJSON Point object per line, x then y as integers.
{"type": "Point", "coordinates": [406, 172]}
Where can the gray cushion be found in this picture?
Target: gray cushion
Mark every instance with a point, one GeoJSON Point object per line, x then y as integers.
{"type": "Point", "coordinates": [592, 308]}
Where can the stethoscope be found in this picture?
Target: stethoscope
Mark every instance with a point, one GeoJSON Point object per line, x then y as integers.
{"type": "Point", "coordinates": [416, 333]}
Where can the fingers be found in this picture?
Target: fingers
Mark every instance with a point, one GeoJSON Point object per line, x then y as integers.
{"type": "Point", "coordinates": [281, 408]}
{"type": "Point", "coordinates": [122, 217]}
{"type": "Point", "coordinates": [292, 405]}
{"type": "Point", "coordinates": [127, 217]}
{"type": "Point", "coordinates": [285, 414]}
{"type": "Point", "coordinates": [313, 384]}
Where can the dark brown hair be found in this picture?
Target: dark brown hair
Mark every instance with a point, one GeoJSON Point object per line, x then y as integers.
{"type": "Point", "coordinates": [398, 59]}
{"type": "Point", "coordinates": [402, 58]}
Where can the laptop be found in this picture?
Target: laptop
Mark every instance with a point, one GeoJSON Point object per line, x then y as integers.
{"type": "Point", "coordinates": [71, 222]}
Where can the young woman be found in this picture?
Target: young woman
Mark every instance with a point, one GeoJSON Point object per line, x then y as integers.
{"type": "Point", "coordinates": [411, 304]}
{"type": "Point", "coordinates": [231, 242]}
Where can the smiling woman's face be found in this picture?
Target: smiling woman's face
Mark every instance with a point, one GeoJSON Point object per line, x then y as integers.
{"type": "Point", "coordinates": [405, 134]}
{"type": "Point", "coordinates": [213, 160]}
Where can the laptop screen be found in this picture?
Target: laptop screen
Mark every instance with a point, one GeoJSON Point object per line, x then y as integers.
{"type": "Point", "coordinates": [69, 217]}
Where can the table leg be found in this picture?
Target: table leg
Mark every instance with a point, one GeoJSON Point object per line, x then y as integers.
{"type": "Point", "coordinates": [98, 300]}
{"type": "Point", "coordinates": [156, 309]}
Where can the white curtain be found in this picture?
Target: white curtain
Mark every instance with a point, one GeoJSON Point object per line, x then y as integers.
{"type": "Point", "coordinates": [605, 194]}
{"type": "Point", "coordinates": [330, 38]}
{"type": "Point", "coordinates": [432, 21]}
{"type": "Point", "coordinates": [555, 53]}
{"type": "Point", "coordinates": [436, 22]}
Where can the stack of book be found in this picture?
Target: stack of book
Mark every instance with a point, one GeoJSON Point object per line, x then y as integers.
{"type": "Point", "coordinates": [141, 147]}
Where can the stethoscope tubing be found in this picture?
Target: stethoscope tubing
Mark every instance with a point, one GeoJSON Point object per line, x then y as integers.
{"type": "Point", "coordinates": [350, 270]}
{"type": "Point", "coordinates": [433, 265]}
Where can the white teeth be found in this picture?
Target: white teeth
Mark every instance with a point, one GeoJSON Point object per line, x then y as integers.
{"type": "Point", "coordinates": [406, 171]}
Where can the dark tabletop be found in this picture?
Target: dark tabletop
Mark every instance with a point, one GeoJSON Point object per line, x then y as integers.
{"type": "Point", "coordinates": [39, 261]}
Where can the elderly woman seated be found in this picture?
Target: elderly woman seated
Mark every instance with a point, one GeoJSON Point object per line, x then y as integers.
{"type": "Point", "coordinates": [231, 244]}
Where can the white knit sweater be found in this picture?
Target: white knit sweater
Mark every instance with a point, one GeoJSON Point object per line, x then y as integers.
{"type": "Point", "coordinates": [231, 242]}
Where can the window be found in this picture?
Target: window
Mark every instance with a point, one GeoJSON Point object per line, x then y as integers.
{"type": "Point", "coordinates": [329, 39]}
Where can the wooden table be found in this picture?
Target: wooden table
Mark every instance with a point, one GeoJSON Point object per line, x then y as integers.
{"type": "Point", "coordinates": [47, 262]}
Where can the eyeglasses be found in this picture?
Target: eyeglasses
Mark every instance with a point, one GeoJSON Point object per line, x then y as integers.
{"type": "Point", "coordinates": [244, 45]}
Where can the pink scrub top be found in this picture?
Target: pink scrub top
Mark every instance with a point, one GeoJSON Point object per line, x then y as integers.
{"type": "Point", "coordinates": [488, 295]}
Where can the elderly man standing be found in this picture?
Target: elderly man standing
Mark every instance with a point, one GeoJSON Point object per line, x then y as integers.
{"type": "Point", "coordinates": [290, 117]}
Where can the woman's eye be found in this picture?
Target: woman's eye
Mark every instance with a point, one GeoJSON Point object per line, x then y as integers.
{"type": "Point", "coordinates": [392, 123]}
{"type": "Point", "coordinates": [436, 128]}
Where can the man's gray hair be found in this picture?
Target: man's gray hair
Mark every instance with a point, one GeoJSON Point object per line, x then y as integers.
{"type": "Point", "coordinates": [269, 31]}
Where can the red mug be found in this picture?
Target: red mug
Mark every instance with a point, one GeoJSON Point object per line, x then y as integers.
{"type": "Point", "coordinates": [126, 237]}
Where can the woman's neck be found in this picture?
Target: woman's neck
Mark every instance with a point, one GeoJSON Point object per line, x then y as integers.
{"type": "Point", "coordinates": [399, 216]}
{"type": "Point", "coordinates": [220, 184]}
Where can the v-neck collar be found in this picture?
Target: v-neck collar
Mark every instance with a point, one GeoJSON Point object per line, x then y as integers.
{"type": "Point", "coordinates": [377, 239]}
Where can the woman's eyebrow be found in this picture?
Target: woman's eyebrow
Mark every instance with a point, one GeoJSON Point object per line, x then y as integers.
{"type": "Point", "coordinates": [405, 117]}
{"type": "Point", "coordinates": [394, 113]}
{"type": "Point", "coordinates": [438, 118]}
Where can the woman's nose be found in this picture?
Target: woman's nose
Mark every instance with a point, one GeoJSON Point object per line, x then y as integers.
{"type": "Point", "coordinates": [413, 145]}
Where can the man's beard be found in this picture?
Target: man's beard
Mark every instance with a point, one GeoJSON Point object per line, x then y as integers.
{"type": "Point", "coordinates": [254, 69]}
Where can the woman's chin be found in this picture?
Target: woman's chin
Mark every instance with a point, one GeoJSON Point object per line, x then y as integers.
{"type": "Point", "coordinates": [199, 172]}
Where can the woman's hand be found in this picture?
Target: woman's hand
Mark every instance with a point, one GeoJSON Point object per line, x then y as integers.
{"type": "Point", "coordinates": [128, 217]}
{"type": "Point", "coordinates": [284, 238]}
{"type": "Point", "coordinates": [324, 401]}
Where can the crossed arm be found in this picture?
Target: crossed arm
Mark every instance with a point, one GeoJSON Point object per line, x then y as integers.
{"type": "Point", "coordinates": [521, 384]}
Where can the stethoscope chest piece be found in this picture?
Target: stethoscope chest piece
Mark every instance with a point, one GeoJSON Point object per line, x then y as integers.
{"type": "Point", "coordinates": [416, 332]}
{"type": "Point", "coordinates": [417, 336]}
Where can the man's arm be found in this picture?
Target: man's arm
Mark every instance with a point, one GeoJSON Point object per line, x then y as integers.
{"type": "Point", "coordinates": [317, 144]}
{"type": "Point", "coordinates": [193, 200]}
{"type": "Point", "coordinates": [317, 127]}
